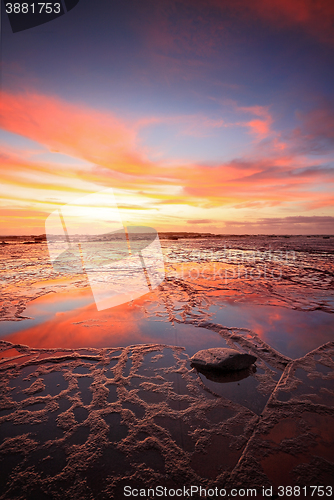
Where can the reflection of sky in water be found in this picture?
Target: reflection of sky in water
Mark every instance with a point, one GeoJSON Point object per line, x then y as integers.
{"type": "Point", "coordinates": [188, 336]}
{"type": "Point", "coordinates": [185, 403]}
{"type": "Point", "coordinates": [293, 333]}
{"type": "Point", "coordinates": [44, 309]}
{"type": "Point", "coordinates": [121, 326]}
{"type": "Point", "coordinates": [71, 320]}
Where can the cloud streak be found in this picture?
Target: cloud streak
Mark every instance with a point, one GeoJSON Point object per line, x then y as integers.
{"type": "Point", "coordinates": [285, 225]}
{"type": "Point", "coordinates": [113, 155]}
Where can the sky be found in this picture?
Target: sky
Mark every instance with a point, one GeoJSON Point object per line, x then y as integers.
{"type": "Point", "coordinates": [201, 115]}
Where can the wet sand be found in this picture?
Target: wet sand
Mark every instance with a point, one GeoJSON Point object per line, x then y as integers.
{"type": "Point", "coordinates": [94, 401]}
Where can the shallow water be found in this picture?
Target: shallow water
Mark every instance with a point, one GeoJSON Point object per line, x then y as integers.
{"type": "Point", "coordinates": [70, 319]}
{"type": "Point", "coordinates": [109, 397]}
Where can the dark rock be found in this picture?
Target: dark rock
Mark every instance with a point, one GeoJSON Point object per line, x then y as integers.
{"type": "Point", "coordinates": [225, 377]}
{"type": "Point", "coordinates": [224, 359]}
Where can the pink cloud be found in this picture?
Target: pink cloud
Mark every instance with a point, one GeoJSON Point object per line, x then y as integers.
{"type": "Point", "coordinates": [74, 130]}
{"type": "Point", "coordinates": [111, 145]}
{"type": "Point", "coordinates": [258, 126]}
{"type": "Point", "coordinates": [284, 225]}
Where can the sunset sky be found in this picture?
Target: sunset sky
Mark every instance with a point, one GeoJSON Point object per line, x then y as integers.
{"type": "Point", "coordinates": [202, 115]}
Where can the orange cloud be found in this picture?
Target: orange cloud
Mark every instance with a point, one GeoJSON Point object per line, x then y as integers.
{"type": "Point", "coordinates": [114, 157]}
{"type": "Point", "coordinates": [282, 225]}
{"type": "Point", "coordinates": [74, 130]}
{"type": "Point", "coordinates": [260, 127]}
{"type": "Point", "coordinates": [274, 181]}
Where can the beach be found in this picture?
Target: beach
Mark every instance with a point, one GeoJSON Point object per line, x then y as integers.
{"type": "Point", "coordinates": [93, 402]}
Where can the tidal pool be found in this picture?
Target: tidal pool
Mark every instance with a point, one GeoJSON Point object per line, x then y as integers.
{"type": "Point", "coordinates": [100, 399]}
{"type": "Point", "coordinates": [70, 319]}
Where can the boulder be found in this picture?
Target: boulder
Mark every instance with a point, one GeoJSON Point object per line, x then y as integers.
{"type": "Point", "coordinates": [221, 358]}
{"type": "Point", "coordinates": [225, 377]}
